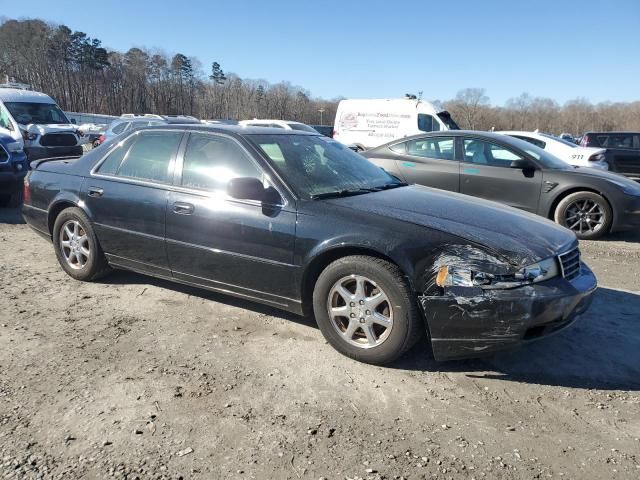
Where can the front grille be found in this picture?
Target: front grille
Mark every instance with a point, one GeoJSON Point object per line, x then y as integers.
{"type": "Point", "coordinates": [58, 140]}
{"type": "Point", "coordinates": [570, 263]}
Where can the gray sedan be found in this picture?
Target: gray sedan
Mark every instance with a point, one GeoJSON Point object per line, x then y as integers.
{"type": "Point", "coordinates": [508, 170]}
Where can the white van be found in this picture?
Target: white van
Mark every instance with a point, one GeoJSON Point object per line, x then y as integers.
{"type": "Point", "coordinates": [369, 123]}
{"type": "Point", "coordinates": [35, 121]}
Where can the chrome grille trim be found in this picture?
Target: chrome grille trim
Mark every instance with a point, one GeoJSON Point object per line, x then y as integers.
{"type": "Point", "coordinates": [570, 263]}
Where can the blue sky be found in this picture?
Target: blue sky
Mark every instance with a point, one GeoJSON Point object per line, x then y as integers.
{"type": "Point", "coordinates": [558, 49]}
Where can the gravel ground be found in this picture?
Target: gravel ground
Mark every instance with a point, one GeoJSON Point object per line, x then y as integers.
{"type": "Point", "coordinates": [140, 378]}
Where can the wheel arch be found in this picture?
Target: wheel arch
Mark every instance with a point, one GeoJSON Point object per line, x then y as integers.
{"type": "Point", "coordinates": [58, 206]}
{"type": "Point", "coordinates": [564, 194]}
{"type": "Point", "coordinates": [319, 262]}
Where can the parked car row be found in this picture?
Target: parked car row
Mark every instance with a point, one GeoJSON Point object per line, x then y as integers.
{"type": "Point", "coordinates": [504, 168]}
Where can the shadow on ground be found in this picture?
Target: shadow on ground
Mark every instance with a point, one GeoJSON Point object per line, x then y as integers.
{"type": "Point", "coordinates": [600, 350]}
{"type": "Point", "coordinates": [629, 236]}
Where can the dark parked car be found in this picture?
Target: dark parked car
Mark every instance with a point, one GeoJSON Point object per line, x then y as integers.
{"type": "Point", "coordinates": [298, 221]}
{"type": "Point", "coordinates": [623, 150]}
{"type": "Point", "coordinates": [326, 130]}
{"type": "Point", "coordinates": [13, 168]}
{"type": "Point", "coordinates": [497, 167]}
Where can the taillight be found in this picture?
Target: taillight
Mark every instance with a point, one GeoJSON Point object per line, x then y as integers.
{"type": "Point", "coordinates": [26, 191]}
{"type": "Point", "coordinates": [585, 141]}
{"type": "Point", "coordinates": [101, 139]}
{"type": "Point", "coordinates": [333, 132]}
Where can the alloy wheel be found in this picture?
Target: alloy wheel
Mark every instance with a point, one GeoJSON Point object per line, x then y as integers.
{"type": "Point", "coordinates": [74, 244]}
{"type": "Point", "coordinates": [583, 216]}
{"type": "Point", "coordinates": [360, 311]}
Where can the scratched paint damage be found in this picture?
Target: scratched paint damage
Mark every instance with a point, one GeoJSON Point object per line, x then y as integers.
{"type": "Point", "coordinates": [465, 321]}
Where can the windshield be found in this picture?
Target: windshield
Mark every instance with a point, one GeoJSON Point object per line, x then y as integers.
{"type": "Point", "coordinates": [544, 158]}
{"type": "Point", "coordinates": [314, 165]}
{"type": "Point", "coordinates": [561, 140]}
{"type": "Point", "coordinates": [448, 121]}
{"type": "Point", "coordinates": [38, 113]}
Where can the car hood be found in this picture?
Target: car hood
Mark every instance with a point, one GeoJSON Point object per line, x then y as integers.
{"type": "Point", "coordinates": [50, 128]}
{"type": "Point", "coordinates": [518, 237]}
{"type": "Point", "coordinates": [616, 178]}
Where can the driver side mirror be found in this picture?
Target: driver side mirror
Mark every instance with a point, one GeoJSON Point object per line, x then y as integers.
{"type": "Point", "coordinates": [73, 120]}
{"type": "Point", "coordinates": [246, 188]}
{"type": "Point", "coordinates": [522, 164]}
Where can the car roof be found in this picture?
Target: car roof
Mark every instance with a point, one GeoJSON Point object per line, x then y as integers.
{"type": "Point", "coordinates": [19, 95]}
{"type": "Point", "coordinates": [613, 133]}
{"type": "Point", "coordinates": [237, 129]}
{"type": "Point", "coordinates": [456, 133]}
{"type": "Point", "coordinates": [519, 132]}
{"type": "Point", "coordinates": [499, 137]}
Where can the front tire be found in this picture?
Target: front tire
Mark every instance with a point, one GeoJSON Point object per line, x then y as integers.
{"type": "Point", "coordinates": [586, 214]}
{"type": "Point", "coordinates": [77, 247]}
{"type": "Point", "coordinates": [365, 309]}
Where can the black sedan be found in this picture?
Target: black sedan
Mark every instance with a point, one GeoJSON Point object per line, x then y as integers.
{"type": "Point", "coordinates": [300, 222]}
{"type": "Point", "coordinates": [505, 169]}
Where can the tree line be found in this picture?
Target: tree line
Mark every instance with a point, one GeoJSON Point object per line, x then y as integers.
{"type": "Point", "coordinates": [83, 76]}
{"type": "Point", "coordinates": [471, 109]}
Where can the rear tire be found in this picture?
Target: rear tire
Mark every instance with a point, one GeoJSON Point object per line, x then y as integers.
{"type": "Point", "coordinates": [586, 214]}
{"type": "Point", "coordinates": [77, 247]}
{"type": "Point", "coordinates": [365, 309]}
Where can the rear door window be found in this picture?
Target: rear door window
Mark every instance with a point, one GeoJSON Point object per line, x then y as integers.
{"type": "Point", "coordinates": [440, 147]}
{"type": "Point", "coordinates": [620, 141]}
{"type": "Point", "coordinates": [480, 152]}
{"type": "Point", "coordinates": [112, 163]}
{"type": "Point", "coordinates": [149, 157]}
{"type": "Point", "coordinates": [210, 161]}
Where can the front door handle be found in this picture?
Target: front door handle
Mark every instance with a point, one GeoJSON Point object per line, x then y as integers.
{"type": "Point", "coordinates": [95, 192]}
{"type": "Point", "coordinates": [183, 208]}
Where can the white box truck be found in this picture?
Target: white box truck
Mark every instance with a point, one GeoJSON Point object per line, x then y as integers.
{"type": "Point", "coordinates": [368, 123]}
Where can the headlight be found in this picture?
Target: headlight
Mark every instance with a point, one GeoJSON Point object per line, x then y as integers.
{"type": "Point", "coordinates": [456, 276]}
{"type": "Point", "coordinates": [597, 157]}
{"type": "Point", "coordinates": [540, 271]}
{"type": "Point", "coordinates": [29, 136]}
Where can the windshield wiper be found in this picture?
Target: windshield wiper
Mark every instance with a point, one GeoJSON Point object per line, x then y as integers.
{"type": "Point", "coordinates": [388, 186]}
{"type": "Point", "coordinates": [342, 193]}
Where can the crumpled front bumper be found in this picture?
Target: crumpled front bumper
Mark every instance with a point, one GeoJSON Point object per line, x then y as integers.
{"type": "Point", "coordinates": [470, 322]}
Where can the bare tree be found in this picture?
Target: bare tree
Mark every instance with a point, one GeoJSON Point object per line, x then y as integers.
{"type": "Point", "coordinates": [470, 103]}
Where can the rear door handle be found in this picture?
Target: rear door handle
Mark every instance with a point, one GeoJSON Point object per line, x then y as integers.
{"type": "Point", "coordinates": [95, 192]}
{"type": "Point", "coordinates": [183, 208]}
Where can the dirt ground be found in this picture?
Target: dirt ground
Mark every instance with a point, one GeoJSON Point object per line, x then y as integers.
{"type": "Point", "coordinates": [140, 378]}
